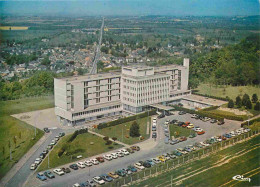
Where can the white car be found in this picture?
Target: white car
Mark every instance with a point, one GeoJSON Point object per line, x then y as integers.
{"type": "Point", "coordinates": [193, 115]}
{"type": "Point", "coordinates": [114, 155]}
{"type": "Point", "coordinates": [204, 144]}
{"type": "Point", "coordinates": [233, 133]}
{"type": "Point", "coordinates": [198, 129]}
{"type": "Point", "coordinates": [33, 166]}
{"type": "Point", "coordinates": [76, 185]}
{"type": "Point", "coordinates": [81, 165]}
{"type": "Point", "coordinates": [94, 161]}
{"type": "Point", "coordinates": [38, 161]}
{"type": "Point", "coordinates": [120, 154]}
{"type": "Point", "coordinates": [88, 163]}
{"type": "Point", "coordinates": [125, 152]}
{"type": "Point", "coordinates": [247, 130]}
{"type": "Point", "coordinates": [166, 156]}
{"type": "Point", "coordinates": [154, 124]}
{"type": "Point", "coordinates": [156, 160]}
{"type": "Point", "coordinates": [58, 172]}
{"type": "Point", "coordinates": [57, 138]}
{"type": "Point", "coordinates": [98, 180]}
{"type": "Point", "coordinates": [154, 120]}
{"type": "Point", "coordinates": [181, 150]}
{"type": "Point", "coordinates": [219, 139]}
{"type": "Point", "coordinates": [138, 165]}
{"type": "Point", "coordinates": [108, 157]}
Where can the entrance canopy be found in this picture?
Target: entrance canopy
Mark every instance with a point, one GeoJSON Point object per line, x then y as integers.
{"type": "Point", "coordinates": [161, 107]}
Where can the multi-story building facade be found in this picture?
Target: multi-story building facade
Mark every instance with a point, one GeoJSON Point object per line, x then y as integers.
{"type": "Point", "coordinates": [90, 97]}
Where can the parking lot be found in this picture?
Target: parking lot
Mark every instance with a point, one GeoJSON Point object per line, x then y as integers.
{"type": "Point", "coordinates": [158, 148]}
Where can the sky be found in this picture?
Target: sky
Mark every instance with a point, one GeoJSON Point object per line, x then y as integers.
{"type": "Point", "coordinates": [131, 7]}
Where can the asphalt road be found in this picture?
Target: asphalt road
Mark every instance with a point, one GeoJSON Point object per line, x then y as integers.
{"type": "Point", "coordinates": [22, 174]}
{"type": "Point", "coordinates": [82, 175]}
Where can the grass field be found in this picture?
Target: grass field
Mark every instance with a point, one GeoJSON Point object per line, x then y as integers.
{"type": "Point", "coordinates": [181, 131]}
{"type": "Point", "coordinates": [124, 128]}
{"type": "Point", "coordinates": [230, 91]}
{"type": "Point", "coordinates": [11, 127]}
{"type": "Point", "coordinates": [217, 169]}
{"type": "Point", "coordinates": [79, 146]}
{"type": "Point", "coordinates": [13, 28]}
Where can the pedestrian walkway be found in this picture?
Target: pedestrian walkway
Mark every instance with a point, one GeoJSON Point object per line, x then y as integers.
{"type": "Point", "coordinates": [102, 136]}
{"type": "Point", "coordinates": [22, 161]}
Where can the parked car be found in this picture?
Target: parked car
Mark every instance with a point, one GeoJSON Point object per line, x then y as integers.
{"type": "Point", "coordinates": [98, 180]}
{"type": "Point", "coordinates": [153, 128]}
{"type": "Point", "coordinates": [49, 174]}
{"type": "Point", "coordinates": [166, 140]}
{"type": "Point", "coordinates": [175, 141]}
{"type": "Point", "coordinates": [182, 138]}
{"type": "Point", "coordinates": [113, 175]}
{"type": "Point", "coordinates": [132, 168]}
{"type": "Point", "coordinates": [181, 150]}
{"type": "Point", "coordinates": [147, 164]}
{"type": "Point", "coordinates": [124, 151]}
{"type": "Point", "coordinates": [94, 161]}
{"type": "Point", "coordinates": [166, 156]}
{"type": "Point", "coordinates": [193, 135]}
{"type": "Point", "coordinates": [76, 185]}
{"type": "Point", "coordinates": [100, 159]}
{"type": "Point", "coordinates": [156, 160]}
{"type": "Point", "coordinates": [42, 155]}
{"type": "Point", "coordinates": [193, 116]}
{"type": "Point", "coordinates": [41, 176]}
{"type": "Point", "coordinates": [120, 172]}
{"type": "Point", "coordinates": [200, 132]}
{"type": "Point", "coordinates": [84, 184]}
{"type": "Point", "coordinates": [182, 113]}
{"type": "Point", "coordinates": [180, 123]}
{"type": "Point", "coordinates": [46, 130]}
{"type": "Point", "coordinates": [138, 165]}
{"type": "Point", "coordinates": [127, 171]}
{"type": "Point", "coordinates": [88, 163]}
{"type": "Point", "coordinates": [58, 172]}
{"type": "Point", "coordinates": [61, 134]}
{"type": "Point", "coordinates": [33, 166]}
{"type": "Point", "coordinates": [120, 154]}
{"type": "Point", "coordinates": [114, 155]}
{"type": "Point", "coordinates": [108, 157]}
{"type": "Point", "coordinates": [91, 183]}
{"type": "Point", "coordinates": [213, 121]}
{"type": "Point", "coordinates": [81, 165]}
{"type": "Point", "coordinates": [66, 170]}
{"type": "Point", "coordinates": [135, 148]}
{"type": "Point", "coordinates": [204, 144]}
{"type": "Point", "coordinates": [227, 135]}
{"type": "Point", "coordinates": [38, 161]}
{"type": "Point", "coordinates": [187, 149]}
{"type": "Point", "coordinates": [154, 135]}
{"type": "Point", "coordinates": [221, 122]}
{"type": "Point", "coordinates": [45, 151]}
{"type": "Point", "coordinates": [106, 178]}
{"type": "Point", "coordinates": [198, 145]}
{"type": "Point", "coordinates": [177, 153]}
{"type": "Point", "coordinates": [49, 147]}
{"type": "Point", "coordinates": [190, 126]}
{"type": "Point", "coordinates": [161, 158]}
{"type": "Point", "coordinates": [74, 166]}
{"type": "Point", "coordinates": [130, 150]}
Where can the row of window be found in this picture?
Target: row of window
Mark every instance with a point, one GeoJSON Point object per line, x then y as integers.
{"type": "Point", "coordinates": [95, 110]}
{"type": "Point", "coordinates": [97, 82]}
{"type": "Point", "coordinates": [146, 100]}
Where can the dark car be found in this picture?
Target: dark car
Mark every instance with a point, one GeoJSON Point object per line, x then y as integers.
{"type": "Point", "coordinates": [182, 113]}
{"type": "Point", "coordinates": [168, 113]}
{"type": "Point", "coordinates": [180, 123]}
{"type": "Point", "coordinates": [74, 166]}
{"type": "Point", "coordinates": [106, 178]}
{"type": "Point", "coordinates": [121, 173]}
{"type": "Point", "coordinates": [161, 116]}
{"type": "Point", "coordinates": [49, 174]}
{"type": "Point", "coordinates": [197, 117]}
{"type": "Point", "coordinates": [84, 184]}
{"type": "Point", "coordinates": [91, 183]}
{"type": "Point", "coordinates": [135, 148]}
{"type": "Point", "coordinates": [130, 150]}
{"type": "Point", "coordinates": [42, 155]}
{"type": "Point", "coordinates": [46, 130]}
{"type": "Point", "coordinates": [132, 168]}
{"type": "Point", "coordinates": [146, 164]}
{"type": "Point", "coordinates": [41, 176]}
{"type": "Point", "coordinates": [227, 135]}
{"type": "Point", "coordinates": [154, 135]}
{"type": "Point", "coordinates": [61, 134]}
{"type": "Point", "coordinates": [174, 121]}
{"type": "Point", "coordinates": [66, 170]}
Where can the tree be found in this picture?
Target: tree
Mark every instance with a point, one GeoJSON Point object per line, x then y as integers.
{"type": "Point", "coordinates": [114, 139]}
{"type": "Point", "coordinates": [254, 98]}
{"type": "Point", "coordinates": [238, 101]}
{"type": "Point", "coordinates": [106, 138]}
{"type": "Point", "coordinates": [109, 142]}
{"type": "Point", "coordinates": [3, 150]}
{"type": "Point", "coordinates": [257, 106]}
{"type": "Point", "coordinates": [245, 99]}
{"type": "Point", "coordinates": [230, 103]}
{"type": "Point", "coordinates": [248, 104]}
{"type": "Point", "coordinates": [134, 130]}
{"type": "Point", "coordinates": [46, 61]}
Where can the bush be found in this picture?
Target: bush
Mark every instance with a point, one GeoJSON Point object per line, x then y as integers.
{"type": "Point", "coordinates": [257, 106]}
{"type": "Point", "coordinates": [248, 104]}
{"type": "Point", "coordinates": [238, 102]}
{"type": "Point", "coordinates": [254, 98]}
{"type": "Point", "coordinates": [76, 133]}
{"type": "Point", "coordinates": [61, 151]}
{"type": "Point", "coordinates": [230, 103]}
{"type": "Point", "coordinates": [245, 99]}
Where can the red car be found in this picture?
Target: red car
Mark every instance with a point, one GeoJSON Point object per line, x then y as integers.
{"type": "Point", "coordinates": [183, 138]}
{"type": "Point", "coordinates": [201, 132]}
{"type": "Point", "coordinates": [100, 159]}
{"type": "Point", "coordinates": [185, 125]}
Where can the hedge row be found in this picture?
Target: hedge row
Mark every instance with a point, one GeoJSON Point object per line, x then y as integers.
{"type": "Point", "coordinates": [227, 116]}
{"type": "Point", "coordinates": [76, 133]}
{"type": "Point", "coordinates": [250, 122]}
{"type": "Point", "coordinates": [201, 113]}
{"type": "Point", "coordinates": [210, 108]}
{"type": "Point", "coordinates": [210, 96]}
{"type": "Point", "coordinates": [126, 119]}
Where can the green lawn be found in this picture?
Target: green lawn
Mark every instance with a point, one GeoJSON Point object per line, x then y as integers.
{"type": "Point", "coordinates": [215, 170]}
{"type": "Point", "coordinates": [230, 91]}
{"type": "Point", "coordinates": [11, 127]}
{"type": "Point", "coordinates": [79, 146]}
{"type": "Point", "coordinates": [123, 129]}
{"type": "Point", "coordinates": [181, 131]}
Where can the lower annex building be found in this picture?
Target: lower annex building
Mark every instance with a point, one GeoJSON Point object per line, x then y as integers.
{"type": "Point", "coordinates": [90, 97]}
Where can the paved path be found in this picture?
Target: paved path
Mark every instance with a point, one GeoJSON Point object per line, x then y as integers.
{"type": "Point", "coordinates": [102, 136]}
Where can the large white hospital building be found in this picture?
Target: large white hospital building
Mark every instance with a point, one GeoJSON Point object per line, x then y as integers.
{"type": "Point", "coordinates": [91, 97]}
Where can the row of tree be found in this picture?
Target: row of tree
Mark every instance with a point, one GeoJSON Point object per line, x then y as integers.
{"type": "Point", "coordinates": [245, 101]}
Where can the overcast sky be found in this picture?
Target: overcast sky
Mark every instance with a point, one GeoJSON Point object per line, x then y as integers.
{"type": "Point", "coordinates": [132, 7]}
